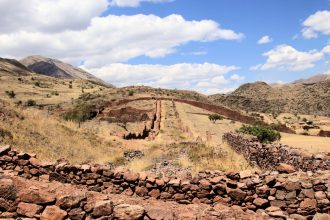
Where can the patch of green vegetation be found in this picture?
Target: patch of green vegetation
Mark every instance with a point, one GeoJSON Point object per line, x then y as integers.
{"type": "Point", "coordinates": [263, 133]}
{"type": "Point", "coordinates": [31, 102]}
{"type": "Point", "coordinates": [80, 113]}
{"type": "Point", "coordinates": [11, 94]}
{"type": "Point", "coordinates": [215, 117]}
{"type": "Point", "coordinates": [130, 93]}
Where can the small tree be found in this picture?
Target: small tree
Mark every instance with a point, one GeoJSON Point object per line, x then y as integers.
{"type": "Point", "coordinates": [215, 117]}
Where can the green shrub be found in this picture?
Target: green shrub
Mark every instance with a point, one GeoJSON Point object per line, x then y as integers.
{"type": "Point", "coordinates": [37, 84]}
{"type": "Point", "coordinates": [80, 113]}
{"type": "Point", "coordinates": [263, 133]}
{"type": "Point", "coordinates": [11, 94]}
{"type": "Point", "coordinates": [130, 93]}
{"type": "Point", "coordinates": [30, 102]}
{"type": "Point", "coordinates": [54, 93]}
{"type": "Point", "coordinates": [215, 117]}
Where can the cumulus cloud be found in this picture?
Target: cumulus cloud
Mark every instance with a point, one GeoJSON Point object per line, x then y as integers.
{"type": "Point", "coordinates": [114, 38]}
{"type": "Point", "coordinates": [237, 77]}
{"type": "Point", "coordinates": [326, 49]}
{"type": "Point", "coordinates": [180, 76]}
{"type": "Point", "coordinates": [285, 57]}
{"type": "Point", "coordinates": [48, 15]}
{"type": "Point", "coordinates": [265, 40]}
{"type": "Point", "coordinates": [133, 3]}
{"type": "Point", "coordinates": [318, 22]}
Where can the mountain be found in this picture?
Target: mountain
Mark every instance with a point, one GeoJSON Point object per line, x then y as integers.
{"type": "Point", "coordinates": [314, 79]}
{"type": "Point", "coordinates": [58, 69]}
{"type": "Point", "coordinates": [13, 67]}
{"type": "Point", "coordinates": [313, 99]}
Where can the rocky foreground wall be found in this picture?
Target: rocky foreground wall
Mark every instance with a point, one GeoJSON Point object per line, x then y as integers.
{"type": "Point", "coordinates": [269, 156]}
{"type": "Point", "coordinates": [280, 194]}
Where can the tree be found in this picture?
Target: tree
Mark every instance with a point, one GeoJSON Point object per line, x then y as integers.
{"type": "Point", "coordinates": [215, 117]}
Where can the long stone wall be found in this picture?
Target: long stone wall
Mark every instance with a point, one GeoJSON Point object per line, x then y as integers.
{"type": "Point", "coordinates": [277, 193]}
{"type": "Point", "coordinates": [269, 156]}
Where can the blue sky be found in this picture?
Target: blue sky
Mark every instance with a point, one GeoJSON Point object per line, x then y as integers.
{"type": "Point", "coordinates": [205, 45]}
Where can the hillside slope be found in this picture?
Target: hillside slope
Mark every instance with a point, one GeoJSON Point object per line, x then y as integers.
{"type": "Point", "coordinates": [13, 67]}
{"type": "Point", "coordinates": [57, 69]}
{"type": "Point", "coordinates": [313, 99]}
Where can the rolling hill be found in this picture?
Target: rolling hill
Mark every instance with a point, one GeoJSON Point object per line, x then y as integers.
{"type": "Point", "coordinates": [312, 98]}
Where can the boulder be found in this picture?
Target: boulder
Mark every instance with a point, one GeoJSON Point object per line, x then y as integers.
{"type": "Point", "coordinates": [159, 213]}
{"type": "Point", "coordinates": [125, 212]}
{"type": "Point", "coordinates": [308, 204]}
{"type": "Point", "coordinates": [35, 195]}
{"type": "Point", "coordinates": [28, 209]}
{"type": "Point", "coordinates": [53, 213]}
{"type": "Point", "coordinates": [285, 168]}
{"type": "Point", "coordinates": [103, 208]}
{"type": "Point", "coordinates": [71, 200]}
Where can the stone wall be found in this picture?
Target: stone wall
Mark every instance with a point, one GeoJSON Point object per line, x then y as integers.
{"type": "Point", "coordinates": [269, 156]}
{"type": "Point", "coordinates": [278, 193]}
{"type": "Point", "coordinates": [151, 127]}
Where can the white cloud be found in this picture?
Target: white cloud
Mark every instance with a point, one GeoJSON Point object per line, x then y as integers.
{"type": "Point", "coordinates": [48, 15]}
{"type": "Point", "coordinates": [326, 49]}
{"type": "Point", "coordinates": [180, 76]}
{"type": "Point", "coordinates": [133, 3]}
{"type": "Point", "coordinates": [237, 77]}
{"type": "Point", "coordinates": [285, 57]}
{"type": "Point", "coordinates": [309, 33]}
{"type": "Point", "coordinates": [317, 22]}
{"type": "Point", "coordinates": [265, 40]}
{"type": "Point", "coordinates": [212, 91]}
{"type": "Point", "coordinates": [114, 38]}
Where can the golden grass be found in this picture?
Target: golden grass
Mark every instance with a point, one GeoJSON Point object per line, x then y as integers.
{"type": "Point", "coordinates": [311, 144]}
{"type": "Point", "coordinates": [52, 138]}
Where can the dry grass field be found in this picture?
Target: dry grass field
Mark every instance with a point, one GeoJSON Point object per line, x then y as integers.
{"type": "Point", "coordinates": [311, 144]}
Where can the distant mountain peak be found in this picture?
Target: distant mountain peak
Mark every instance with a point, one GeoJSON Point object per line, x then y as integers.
{"type": "Point", "coordinates": [314, 79]}
{"type": "Point", "coordinates": [58, 69]}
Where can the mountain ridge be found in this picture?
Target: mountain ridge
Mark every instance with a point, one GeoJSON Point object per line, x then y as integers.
{"type": "Point", "coordinates": [58, 69]}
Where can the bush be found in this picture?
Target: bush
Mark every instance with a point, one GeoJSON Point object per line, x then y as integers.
{"type": "Point", "coordinates": [80, 113]}
{"type": "Point", "coordinates": [215, 117]}
{"type": "Point", "coordinates": [54, 93]}
{"type": "Point", "coordinates": [30, 102]}
{"type": "Point", "coordinates": [263, 133]}
{"type": "Point", "coordinates": [130, 93]}
{"type": "Point", "coordinates": [5, 134]}
{"type": "Point", "coordinates": [37, 84]}
{"type": "Point", "coordinates": [11, 94]}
